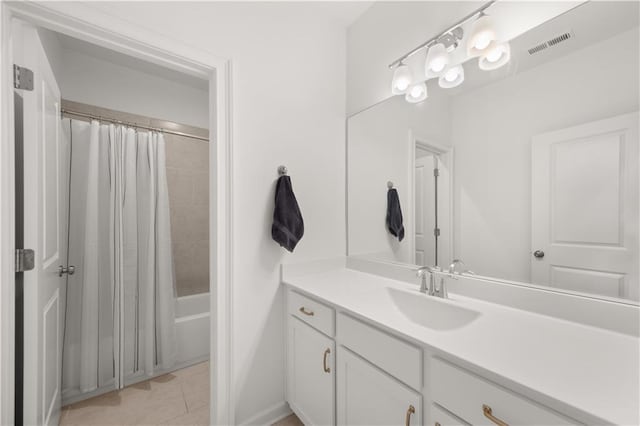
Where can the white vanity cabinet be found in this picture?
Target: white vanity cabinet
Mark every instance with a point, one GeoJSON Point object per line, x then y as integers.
{"type": "Point", "coordinates": [346, 371]}
{"type": "Point", "coordinates": [311, 360]}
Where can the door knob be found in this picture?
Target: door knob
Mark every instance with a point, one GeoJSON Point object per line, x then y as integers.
{"type": "Point", "coordinates": [70, 270]}
{"type": "Point", "coordinates": [538, 254]}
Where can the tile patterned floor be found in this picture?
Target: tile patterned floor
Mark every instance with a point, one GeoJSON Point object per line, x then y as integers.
{"type": "Point", "coordinates": [180, 398]}
{"type": "Point", "coordinates": [292, 420]}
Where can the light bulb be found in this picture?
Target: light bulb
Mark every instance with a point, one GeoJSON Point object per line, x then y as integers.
{"type": "Point", "coordinates": [402, 84]}
{"type": "Point", "coordinates": [481, 36]}
{"type": "Point", "coordinates": [494, 54]}
{"type": "Point", "coordinates": [453, 76]}
{"type": "Point", "coordinates": [494, 58]}
{"type": "Point", "coordinates": [437, 60]}
{"type": "Point", "coordinates": [416, 93]}
{"type": "Point", "coordinates": [438, 65]}
{"type": "Point", "coordinates": [401, 79]}
{"type": "Point", "coordinates": [482, 41]}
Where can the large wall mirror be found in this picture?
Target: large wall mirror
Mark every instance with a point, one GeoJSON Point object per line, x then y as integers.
{"type": "Point", "coordinates": [527, 173]}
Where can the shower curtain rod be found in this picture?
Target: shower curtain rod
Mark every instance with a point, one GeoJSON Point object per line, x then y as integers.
{"type": "Point", "coordinates": [137, 126]}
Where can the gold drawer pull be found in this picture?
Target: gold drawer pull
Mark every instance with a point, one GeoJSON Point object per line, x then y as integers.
{"type": "Point", "coordinates": [488, 414]}
{"type": "Point", "coordinates": [304, 311]}
{"type": "Point", "coordinates": [324, 361]}
{"type": "Point", "coordinates": [411, 410]}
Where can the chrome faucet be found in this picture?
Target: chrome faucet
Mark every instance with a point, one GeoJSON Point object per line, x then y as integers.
{"type": "Point", "coordinates": [422, 274]}
{"type": "Point", "coordinates": [453, 268]}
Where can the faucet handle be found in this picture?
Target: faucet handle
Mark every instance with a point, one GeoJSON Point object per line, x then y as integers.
{"type": "Point", "coordinates": [420, 272]}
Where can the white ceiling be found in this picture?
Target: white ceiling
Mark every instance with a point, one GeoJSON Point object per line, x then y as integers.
{"type": "Point", "coordinates": [345, 12]}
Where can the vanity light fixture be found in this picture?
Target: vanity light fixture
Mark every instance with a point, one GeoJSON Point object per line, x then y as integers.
{"type": "Point", "coordinates": [416, 93]}
{"type": "Point", "coordinates": [437, 60]}
{"type": "Point", "coordinates": [401, 79]}
{"type": "Point", "coordinates": [452, 77]}
{"type": "Point", "coordinates": [480, 42]}
{"type": "Point", "coordinates": [497, 56]}
{"type": "Point", "coordinates": [482, 36]}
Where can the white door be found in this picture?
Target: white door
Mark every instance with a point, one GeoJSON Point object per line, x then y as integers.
{"type": "Point", "coordinates": [425, 213]}
{"type": "Point", "coordinates": [311, 374]}
{"type": "Point", "coordinates": [367, 396]}
{"type": "Point", "coordinates": [585, 208]}
{"type": "Point", "coordinates": [45, 231]}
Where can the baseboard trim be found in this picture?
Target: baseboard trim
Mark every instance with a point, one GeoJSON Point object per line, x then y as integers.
{"type": "Point", "coordinates": [269, 416]}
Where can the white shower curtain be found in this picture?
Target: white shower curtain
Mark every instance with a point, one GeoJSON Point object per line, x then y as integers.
{"type": "Point", "coordinates": [120, 303]}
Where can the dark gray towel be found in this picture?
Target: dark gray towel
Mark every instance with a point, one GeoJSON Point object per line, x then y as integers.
{"type": "Point", "coordinates": [394, 214]}
{"type": "Point", "coordinates": [288, 226]}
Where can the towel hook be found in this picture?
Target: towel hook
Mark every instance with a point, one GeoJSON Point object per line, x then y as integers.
{"type": "Point", "coordinates": [389, 184]}
{"type": "Point", "coordinates": [282, 171]}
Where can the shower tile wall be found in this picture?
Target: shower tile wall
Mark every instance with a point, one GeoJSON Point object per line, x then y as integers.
{"type": "Point", "coordinates": [188, 181]}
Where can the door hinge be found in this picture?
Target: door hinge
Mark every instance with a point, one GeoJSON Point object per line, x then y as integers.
{"type": "Point", "coordinates": [436, 172]}
{"type": "Point", "coordinates": [436, 232]}
{"type": "Point", "coordinates": [24, 260]}
{"type": "Point", "coordinates": [22, 78]}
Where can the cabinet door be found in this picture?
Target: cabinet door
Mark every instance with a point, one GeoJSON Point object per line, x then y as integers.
{"type": "Point", "coordinates": [441, 417]}
{"type": "Point", "coordinates": [311, 372]}
{"type": "Point", "coordinates": [368, 396]}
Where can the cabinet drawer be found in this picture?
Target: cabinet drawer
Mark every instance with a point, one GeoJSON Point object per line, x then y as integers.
{"type": "Point", "coordinates": [312, 312]}
{"type": "Point", "coordinates": [397, 357]}
{"type": "Point", "coordinates": [465, 394]}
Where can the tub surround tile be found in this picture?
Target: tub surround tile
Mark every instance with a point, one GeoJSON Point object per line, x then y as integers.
{"type": "Point", "coordinates": [188, 181]}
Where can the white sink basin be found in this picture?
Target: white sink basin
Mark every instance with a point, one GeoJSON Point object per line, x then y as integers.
{"type": "Point", "coordinates": [431, 312]}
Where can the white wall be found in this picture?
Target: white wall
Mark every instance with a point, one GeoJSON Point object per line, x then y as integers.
{"type": "Point", "coordinates": [379, 150]}
{"type": "Point", "coordinates": [53, 50]}
{"type": "Point", "coordinates": [95, 81]}
{"type": "Point", "coordinates": [123, 84]}
{"type": "Point", "coordinates": [492, 140]}
{"type": "Point", "coordinates": [288, 108]}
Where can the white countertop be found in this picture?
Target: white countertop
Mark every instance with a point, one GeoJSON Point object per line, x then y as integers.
{"type": "Point", "coordinates": [588, 373]}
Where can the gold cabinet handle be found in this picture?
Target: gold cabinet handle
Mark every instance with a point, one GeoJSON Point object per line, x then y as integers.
{"type": "Point", "coordinates": [489, 414]}
{"type": "Point", "coordinates": [304, 311]}
{"type": "Point", "coordinates": [411, 410]}
{"type": "Point", "coordinates": [324, 361]}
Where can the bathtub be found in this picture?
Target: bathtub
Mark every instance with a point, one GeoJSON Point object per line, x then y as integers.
{"type": "Point", "coordinates": [192, 329]}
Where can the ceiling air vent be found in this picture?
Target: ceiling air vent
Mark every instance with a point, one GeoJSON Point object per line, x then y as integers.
{"type": "Point", "coordinates": [550, 43]}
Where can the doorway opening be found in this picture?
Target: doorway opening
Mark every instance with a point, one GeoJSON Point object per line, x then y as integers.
{"type": "Point", "coordinates": [431, 180]}
{"type": "Point", "coordinates": [116, 177]}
